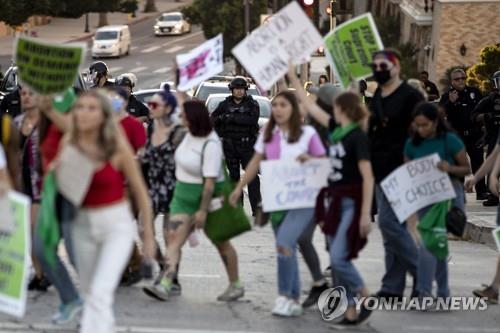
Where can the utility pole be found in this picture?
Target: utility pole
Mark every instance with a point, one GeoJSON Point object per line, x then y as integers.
{"type": "Point", "coordinates": [87, 22]}
{"type": "Point", "coordinates": [247, 16]}
{"type": "Point", "coordinates": [333, 23]}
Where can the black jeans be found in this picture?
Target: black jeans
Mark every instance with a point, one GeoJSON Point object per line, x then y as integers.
{"type": "Point", "coordinates": [238, 153]}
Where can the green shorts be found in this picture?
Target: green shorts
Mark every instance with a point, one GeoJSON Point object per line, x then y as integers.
{"type": "Point", "coordinates": [187, 198]}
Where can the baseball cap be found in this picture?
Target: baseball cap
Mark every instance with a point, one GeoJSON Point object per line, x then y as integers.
{"type": "Point", "coordinates": [326, 93]}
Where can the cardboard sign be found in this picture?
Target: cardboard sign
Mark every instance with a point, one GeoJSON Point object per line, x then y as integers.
{"type": "Point", "coordinates": [289, 35]}
{"type": "Point", "coordinates": [416, 185]}
{"type": "Point", "coordinates": [47, 68]}
{"type": "Point", "coordinates": [288, 184]}
{"type": "Point", "coordinates": [201, 63]}
{"type": "Point", "coordinates": [349, 48]}
{"type": "Point", "coordinates": [14, 252]}
{"type": "Point", "coordinates": [496, 237]}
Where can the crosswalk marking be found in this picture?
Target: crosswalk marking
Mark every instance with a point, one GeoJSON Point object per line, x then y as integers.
{"type": "Point", "coordinates": [174, 49]}
{"type": "Point", "coordinates": [151, 49]}
{"type": "Point", "coordinates": [115, 69]}
{"type": "Point", "coordinates": [162, 70]}
{"type": "Point", "coordinates": [137, 69]}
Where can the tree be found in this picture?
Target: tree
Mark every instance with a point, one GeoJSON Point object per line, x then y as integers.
{"type": "Point", "coordinates": [150, 6]}
{"type": "Point", "coordinates": [15, 12]}
{"type": "Point", "coordinates": [226, 17]}
{"type": "Point", "coordinates": [480, 74]}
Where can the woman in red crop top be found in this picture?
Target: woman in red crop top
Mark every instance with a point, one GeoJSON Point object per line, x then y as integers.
{"type": "Point", "coordinates": [103, 231]}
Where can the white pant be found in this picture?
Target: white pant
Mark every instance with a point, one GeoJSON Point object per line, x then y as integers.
{"type": "Point", "coordinates": [102, 241]}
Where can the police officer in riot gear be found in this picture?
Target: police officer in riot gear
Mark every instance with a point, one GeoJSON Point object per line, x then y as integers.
{"type": "Point", "coordinates": [98, 75]}
{"type": "Point", "coordinates": [487, 114]}
{"type": "Point", "coordinates": [236, 121]}
{"type": "Point", "coordinates": [459, 102]}
{"type": "Point", "coordinates": [134, 107]}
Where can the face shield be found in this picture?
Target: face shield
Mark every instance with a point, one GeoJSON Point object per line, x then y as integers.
{"type": "Point", "coordinates": [496, 82]}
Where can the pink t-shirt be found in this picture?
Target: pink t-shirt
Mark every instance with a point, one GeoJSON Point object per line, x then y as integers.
{"type": "Point", "coordinates": [280, 148]}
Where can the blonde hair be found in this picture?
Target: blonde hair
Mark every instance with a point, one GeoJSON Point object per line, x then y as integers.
{"type": "Point", "coordinates": [107, 139]}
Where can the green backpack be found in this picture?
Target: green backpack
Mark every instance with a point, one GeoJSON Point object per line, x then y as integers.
{"type": "Point", "coordinates": [432, 228]}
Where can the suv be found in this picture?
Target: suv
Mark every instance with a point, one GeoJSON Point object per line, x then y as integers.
{"type": "Point", "coordinates": [10, 81]}
{"type": "Point", "coordinates": [208, 88]}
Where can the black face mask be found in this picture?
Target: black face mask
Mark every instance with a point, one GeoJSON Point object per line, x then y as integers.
{"type": "Point", "coordinates": [382, 77]}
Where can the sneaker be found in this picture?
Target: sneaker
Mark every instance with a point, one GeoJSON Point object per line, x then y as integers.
{"type": "Point", "coordinates": [489, 292]}
{"type": "Point", "coordinates": [314, 294]}
{"type": "Point", "coordinates": [282, 307]}
{"type": "Point", "coordinates": [67, 312]}
{"type": "Point", "coordinates": [176, 289]}
{"type": "Point", "coordinates": [482, 196]}
{"type": "Point", "coordinates": [231, 294]}
{"type": "Point", "coordinates": [364, 313]}
{"type": "Point", "coordinates": [344, 324]}
{"type": "Point", "coordinates": [39, 284]}
{"type": "Point", "coordinates": [159, 291]}
{"type": "Point", "coordinates": [491, 202]}
{"type": "Point", "coordinates": [295, 309]}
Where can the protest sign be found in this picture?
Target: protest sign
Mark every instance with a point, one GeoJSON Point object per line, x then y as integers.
{"type": "Point", "coordinates": [201, 63]}
{"type": "Point", "coordinates": [289, 35]}
{"type": "Point", "coordinates": [14, 251]}
{"type": "Point", "coordinates": [496, 236]}
{"type": "Point", "coordinates": [349, 48]}
{"type": "Point", "coordinates": [289, 184]}
{"type": "Point", "coordinates": [415, 185]}
{"type": "Point", "coordinates": [47, 68]}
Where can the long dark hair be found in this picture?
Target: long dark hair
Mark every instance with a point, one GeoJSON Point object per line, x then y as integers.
{"type": "Point", "coordinates": [431, 112]}
{"type": "Point", "coordinates": [198, 118]}
{"type": "Point", "coordinates": [294, 123]}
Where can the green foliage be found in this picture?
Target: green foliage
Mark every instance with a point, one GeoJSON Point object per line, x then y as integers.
{"type": "Point", "coordinates": [16, 12]}
{"type": "Point", "coordinates": [480, 74]}
{"type": "Point", "coordinates": [226, 17]}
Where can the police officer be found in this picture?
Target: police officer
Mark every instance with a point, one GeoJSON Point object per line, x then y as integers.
{"type": "Point", "coordinates": [459, 102]}
{"type": "Point", "coordinates": [98, 75]}
{"type": "Point", "coordinates": [134, 107]}
{"type": "Point", "coordinates": [487, 114]}
{"type": "Point", "coordinates": [11, 103]}
{"type": "Point", "coordinates": [236, 121]}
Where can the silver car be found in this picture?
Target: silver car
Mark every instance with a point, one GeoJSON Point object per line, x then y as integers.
{"type": "Point", "coordinates": [171, 24]}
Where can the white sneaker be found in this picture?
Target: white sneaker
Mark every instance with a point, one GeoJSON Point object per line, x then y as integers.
{"type": "Point", "coordinates": [295, 309]}
{"type": "Point", "coordinates": [282, 307]}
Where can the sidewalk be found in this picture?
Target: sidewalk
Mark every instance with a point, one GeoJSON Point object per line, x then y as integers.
{"type": "Point", "coordinates": [480, 222]}
{"type": "Point", "coordinates": [62, 30]}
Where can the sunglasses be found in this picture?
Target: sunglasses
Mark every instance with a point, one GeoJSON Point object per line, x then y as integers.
{"type": "Point", "coordinates": [462, 78]}
{"type": "Point", "coordinates": [382, 65]}
{"type": "Point", "coordinates": [153, 105]}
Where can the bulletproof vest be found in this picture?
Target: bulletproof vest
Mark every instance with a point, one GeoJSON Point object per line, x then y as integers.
{"type": "Point", "coordinates": [238, 110]}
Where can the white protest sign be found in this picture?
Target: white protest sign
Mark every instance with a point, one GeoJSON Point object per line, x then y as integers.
{"type": "Point", "coordinates": [289, 184]}
{"type": "Point", "coordinates": [14, 252]}
{"type": "Point", "coordinates": [289, 35]}
{"type": "Point", "coordinates": [415, 185]}
{"type": "Point", "coordinates": [201, 63]}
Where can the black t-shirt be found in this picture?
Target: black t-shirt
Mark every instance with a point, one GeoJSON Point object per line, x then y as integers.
{"type": "Point", "coordinates": [389, 124]}
{"type": "Point", "coordinates": [345, 156]}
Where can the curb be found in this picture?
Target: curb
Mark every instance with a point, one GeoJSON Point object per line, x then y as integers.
{"type": "Point", "coordinates": [477, 231]}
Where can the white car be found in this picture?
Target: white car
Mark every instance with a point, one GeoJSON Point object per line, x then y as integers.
{"type": "Point", "coordinates": [208, 88]}
{"type": "Point", "coordinates": [171, 24]}
{"type": "Point", "coordinates": [111, 41]}
{"type": "Point", "coordinates": [214, 100]}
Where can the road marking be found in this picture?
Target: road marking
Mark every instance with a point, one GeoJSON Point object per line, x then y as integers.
{"type": "Point", "coordinates": [174, 49]}
{"type": "Point", "coordinates": [115, 69]}
{"type": "Point", "coordinates": [162, 70]}
{"type": "Point", "coordinates": [151, 49]}
{"type": "Point", "coordinates": [183, 38]}
{"type": "Point", "coordinates": [138, 69]}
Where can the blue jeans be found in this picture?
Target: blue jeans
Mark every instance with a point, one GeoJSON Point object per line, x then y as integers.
{"type": "Point", "coordinates": [346, 274]}
{"type": "Point", "coordinates": [400, 250]}
{"type": "Point", "coordinates": [429, 267]}
{"type": "Point", "coordinates": [58, 274]}
{"type": "Point", "coordinates": [287, 235]}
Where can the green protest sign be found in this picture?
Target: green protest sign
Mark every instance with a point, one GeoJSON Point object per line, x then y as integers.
{"type": "Point", "coordinates": [14, 251]}
{"type": "Point", "coordinates": [47, 68]}
{"type": "Point", "coordinates": [496, 236]}
{"type": "Point", "coordinates": [350, 46]}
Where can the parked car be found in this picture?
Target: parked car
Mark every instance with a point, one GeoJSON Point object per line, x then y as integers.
{"type": "Point", "coordinates": [264, 105]}
{"type": "Point", "coordinates": [111, 41]}
{"type": "Point", "coordinates": [171, 24]}
{"type": "Point", "coordinates": [219, 87]}
{"type": "Point", "coordinates": [11, 80]}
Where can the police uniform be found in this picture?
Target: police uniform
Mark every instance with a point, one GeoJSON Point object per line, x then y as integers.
{"type": "Point", "coordinates": [238, 127]}
{"type": "Point", "coordinates": [11, 104]}
{"type": "Point", "coordinates": [136, 108]}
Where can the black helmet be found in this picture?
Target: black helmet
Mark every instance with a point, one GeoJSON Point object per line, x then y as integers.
{"type": "Point", "coordinates": [99, 67]}
{"type": "Point", "coordinates": [238, 82]}
{"type": "Point", "coordinates": [124, 81]}
{"type": "Point", "coordinates": [496, 79]}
